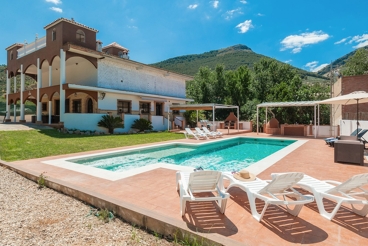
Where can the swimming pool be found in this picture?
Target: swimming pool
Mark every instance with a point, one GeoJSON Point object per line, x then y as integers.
{"type": "Point", "coordinates": [224, 155]}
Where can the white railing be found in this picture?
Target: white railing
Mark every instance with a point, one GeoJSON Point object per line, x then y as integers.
{"type": "Point", "coordinates": [32, 47]}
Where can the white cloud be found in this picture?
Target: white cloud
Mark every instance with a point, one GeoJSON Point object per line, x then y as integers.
{"type": "Point", "coordinates": [259, 14]}
{"type": "Point", "coordinates": [288, 61]}
{"type": "Point", "coordinates": [230, 13]}
{"type": "Point", "coordinates": [244, 26]}
{"type": "Point", "coordinates": [361, 41]}
{"type": "Point", "coordinates": [193, 6]}
{"type": "Point", "coordinates": [56, 2]}
{"type": "Point", "coordinates": [243, 1]}
{"type": "Point", "coordinates": [59, 10]}
{"type": "Point", "coordinates": [342, 40]}
{"type": "Point", "coordinates": [312, 66]}
{"type": "Point", "coordinates": [215, 4]}
{"type": "Point", "coordinates": [296, 50]}
{"type": "Point", "coordinates": [297, 42]}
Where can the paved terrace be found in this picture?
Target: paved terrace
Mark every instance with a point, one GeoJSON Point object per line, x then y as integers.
{"type": "Point", "coordinates": [150, 199]}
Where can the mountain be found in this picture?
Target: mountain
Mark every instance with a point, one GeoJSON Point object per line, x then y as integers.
{"type": "Point", "coordinates": [338, 63]}
{"type": "Point", "coordinates": [232, 57]}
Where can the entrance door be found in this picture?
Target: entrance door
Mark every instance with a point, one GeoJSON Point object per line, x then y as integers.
{"type": "Point", "coordinates": [57, 107]}
{"type": "Point", "coordinates": [159, 108]}
{"type": "Point", "coordinates": [89, 106]}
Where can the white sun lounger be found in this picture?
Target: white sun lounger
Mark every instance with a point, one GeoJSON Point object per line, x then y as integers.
{"type": "Point", "coordinates": [197, 136]}
{"type": "Point", "coordinates": [217, 134]}
{"type": "Point", "coordinates": [190, 183]}
{"type": "Point", "coordinates": [345, 192]}
{"type": "Point", "coordinates": [209, 134]}
{"type": "Point", "coordinates": [271, 191]}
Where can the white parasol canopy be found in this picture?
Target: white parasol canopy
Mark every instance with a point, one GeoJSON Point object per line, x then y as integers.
{"type": "Point", "coordinates": [351, 98]}
{"type": "Point", "coordinates": [355, 97]}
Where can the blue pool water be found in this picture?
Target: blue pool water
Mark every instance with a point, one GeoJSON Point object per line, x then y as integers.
{"type": "Point", "coordinates": [226, 155]}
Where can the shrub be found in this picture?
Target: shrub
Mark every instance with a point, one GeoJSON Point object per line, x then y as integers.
{"type": "Point", "coordinates": [110, 122]}
{"type": "Point", "coordinates": [142, 125]}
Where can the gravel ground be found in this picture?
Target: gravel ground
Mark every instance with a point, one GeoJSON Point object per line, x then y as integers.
{"type": "Point", "coordinates": [33, 216]}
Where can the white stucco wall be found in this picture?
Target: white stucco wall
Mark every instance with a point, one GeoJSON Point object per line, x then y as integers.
{"type": "Point", "coordinates": [348, 126]}
{"type": "Point", "coordinates": [83, 121]}
{"type": "Point", "coordinates": [138, 79]}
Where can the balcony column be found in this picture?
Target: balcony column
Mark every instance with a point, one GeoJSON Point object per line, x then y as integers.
{"type": "Point", "coordinates": [7, 119]}
{"type": "Point", "coordinates": [22, 79]}
{"type": "Point", "coordinates": [39, 86]}
{"type": "Point", "coordinates": [62, 82]}
{"type": "Point", "coordinates": [15, 104]}
{"type": "Point", "coordinates": [50, 101]}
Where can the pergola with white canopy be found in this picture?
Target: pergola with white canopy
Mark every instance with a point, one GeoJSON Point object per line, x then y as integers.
{"type": "Point", "coordinates": [314, 104]}
{"type": "Point", "coordinates": [204, 106]}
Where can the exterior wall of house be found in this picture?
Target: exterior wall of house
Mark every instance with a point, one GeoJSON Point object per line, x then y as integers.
{"type": "Point", "coordinates": [121, 75]}
{"type": "Point", "coordinates": [350, 84]}
{"type": "Point", "coordinates": [81, 72]}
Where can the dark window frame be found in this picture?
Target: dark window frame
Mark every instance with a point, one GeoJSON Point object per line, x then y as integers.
{"type": "Point", "coordinates": [53, 34]}
{"type": "Point", "coordinates": [80, 36]}
{"type": "Point", "coordinates": [44, 106]}
{"type": "Point", "coordinates": [144, 107]}
{"type": "Point", "coordinates": [124, 107]}
{"type": "Point", "coordinates": [77, 106]}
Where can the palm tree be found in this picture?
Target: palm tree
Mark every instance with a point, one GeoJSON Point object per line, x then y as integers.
{"type": "Point", "coordinates": [110, 122]}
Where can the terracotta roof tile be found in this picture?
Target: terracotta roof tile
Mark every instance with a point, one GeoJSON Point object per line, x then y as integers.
{"type": "Point", "coordinates": [70, 21]}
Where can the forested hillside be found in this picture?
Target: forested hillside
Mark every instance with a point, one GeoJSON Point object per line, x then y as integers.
{"type": "Point", "coordinates": [231, 57]}
{"type": "Point", "coordinates": [338, 63]}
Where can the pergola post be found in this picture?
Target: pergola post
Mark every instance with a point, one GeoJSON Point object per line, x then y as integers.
{"type": "Point", "coordinates": [257, 120]}
{"type": "Point", "coordinates": [213, 118]}
{"type": "Point", "coordinates": [237, 114]}
{"type": "Point", "coordinates": [315, 123]}
{"type": "Point", "coordinates": [318, 120]}
{"type": "Point", "coordinates": [168, 118]}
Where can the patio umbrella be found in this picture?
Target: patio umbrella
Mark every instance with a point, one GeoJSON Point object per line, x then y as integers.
{"type": "Point", "coordinates": [355, 97]}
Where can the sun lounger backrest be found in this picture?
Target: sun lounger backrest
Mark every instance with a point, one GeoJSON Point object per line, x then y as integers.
{"type": "Point", "coordinates": [362, 133]}
{"type": "Point", "coordinates": [351, 184]}
{"type": "Point", "coordinates": [203, 180]}
{"type": "Point", "coordinates": [282, 182]}
{"type": "Point", "coordinates": [355, 132]}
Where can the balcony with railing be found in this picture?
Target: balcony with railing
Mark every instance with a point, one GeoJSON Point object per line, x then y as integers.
{"type": "Point", "coordinates": [39, 43]}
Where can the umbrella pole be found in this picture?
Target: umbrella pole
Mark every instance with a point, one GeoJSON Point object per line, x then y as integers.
{"type": "Point", "coordinates": [357, 118]}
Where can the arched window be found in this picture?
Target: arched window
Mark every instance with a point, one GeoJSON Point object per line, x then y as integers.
{"type": "Point", "coordinates": [53, 34]}
{"type": "Point", "coordinates": [80, 36]}
{"type": "Point", "coordinates": [11, 55]}
{"type": "Point", "coordinates": [89, 105]}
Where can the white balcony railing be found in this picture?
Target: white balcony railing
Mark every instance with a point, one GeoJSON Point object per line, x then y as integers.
{"type": "Point", "coordinates": [32, 47]}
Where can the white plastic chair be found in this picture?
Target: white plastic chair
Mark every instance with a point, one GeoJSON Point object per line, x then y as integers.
{"type": "Point", "coordinates": [195, 135]}
{"type": "Point", "coordinates": [345, 192]}
{"type": "Point", "coordinates": [190, 183]}
{"type": "Point", "coordinates": [217, 134]}
{"type": "Point", "coordinates": [271, 191]}
{"type": "Point", "coordinates": [209, 134]}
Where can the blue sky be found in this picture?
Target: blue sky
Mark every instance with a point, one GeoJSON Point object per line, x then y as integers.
{"type": "Point", "coordinates": [305, 34]}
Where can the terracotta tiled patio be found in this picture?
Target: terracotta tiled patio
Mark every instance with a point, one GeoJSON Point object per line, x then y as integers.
{"type": "Point", "coordinates": [155, 191]}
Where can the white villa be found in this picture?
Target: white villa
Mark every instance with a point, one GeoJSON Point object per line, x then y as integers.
{"type": "Point", "coordinates": [79, 81]}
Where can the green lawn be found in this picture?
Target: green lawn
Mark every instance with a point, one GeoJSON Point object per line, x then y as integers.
{"type": "Point", "coordinates": [23, 145]}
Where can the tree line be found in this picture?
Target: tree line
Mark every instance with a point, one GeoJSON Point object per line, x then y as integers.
{"type": "Point", "coordinates": [268, 81]}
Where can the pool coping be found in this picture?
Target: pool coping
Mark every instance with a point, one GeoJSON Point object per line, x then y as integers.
{"type": "Point", "coordinates": [255, 168]}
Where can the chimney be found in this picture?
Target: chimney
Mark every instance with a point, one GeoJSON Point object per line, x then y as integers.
{"type": "Point", "coordinates": [99, 46]}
